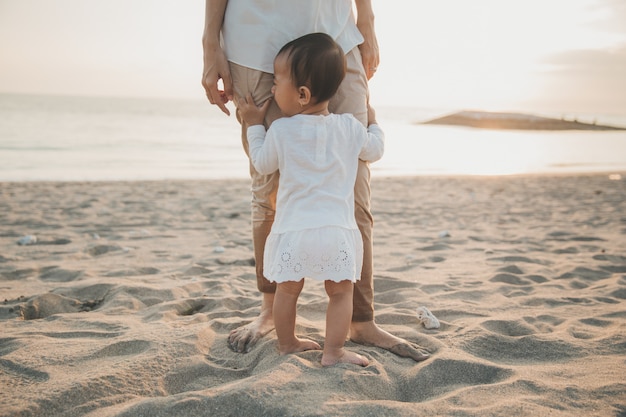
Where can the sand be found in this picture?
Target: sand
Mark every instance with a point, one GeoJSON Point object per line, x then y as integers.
{"type": "Point", "coordinates": [123, 305]}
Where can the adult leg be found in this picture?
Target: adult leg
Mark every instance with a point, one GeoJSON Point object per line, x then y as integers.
{"type": "Point", "coordinates": [264, 187]}
{"type": "Point", "coordinates": [338, 314]}
{"type": "Point", "coordinates": [352, 97]}
{"type": "Point", "coordinates": [285, 303]}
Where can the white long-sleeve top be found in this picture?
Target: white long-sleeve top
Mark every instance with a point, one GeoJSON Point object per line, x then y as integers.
{"type": "Point", "coordinates": [317, 157]}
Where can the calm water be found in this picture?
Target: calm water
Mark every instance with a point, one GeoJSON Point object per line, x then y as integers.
{"type": "Point", "coordinates": [70, 138]}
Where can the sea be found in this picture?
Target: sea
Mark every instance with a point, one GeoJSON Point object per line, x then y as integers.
{"type": "Point", "coordinates": [57, 138]}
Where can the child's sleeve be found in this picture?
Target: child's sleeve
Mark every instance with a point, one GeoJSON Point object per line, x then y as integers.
{"type": "Point", "coordinates": [374, 146]}
{"type": "Point", "coordinates": [262, 149]}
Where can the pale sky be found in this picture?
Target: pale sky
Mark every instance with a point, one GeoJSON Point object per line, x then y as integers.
{"type": "Point", "coordinates": [527, 55]}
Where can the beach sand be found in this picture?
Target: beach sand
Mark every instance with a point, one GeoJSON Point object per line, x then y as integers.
{"type": "Point", "coordinates": [123, 305]}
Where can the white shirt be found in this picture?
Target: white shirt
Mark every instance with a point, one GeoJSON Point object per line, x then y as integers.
{"type": "Point", "coordinates": [317, 157]}
{"type": "Point", "coordinates": [254, 30]}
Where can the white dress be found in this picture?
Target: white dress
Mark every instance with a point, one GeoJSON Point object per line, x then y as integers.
{"type": "Point", "coordinates": [314, 233]}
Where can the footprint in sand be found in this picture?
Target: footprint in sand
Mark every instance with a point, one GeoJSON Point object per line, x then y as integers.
{"type": "Point", "coordinates": [569, 237]}
{"type": "Point", "coordinates": [586, 274]}
{"type": "Point", "coordinates": [620, 294]}
{"type": "Point", "coordinates": [56, 274]}
{"type": "Point", "coordinates": [435, 247]}
{"type": "Point", "coordinates": [524, 350]}
{"type": "Point", "coordinates": [132, 272]}
{"type": "Point", "coordinates": [538, 279]}
{"type": "Point", "coordinates": [544, 323]}
{"type": "Point", "coordinates": [435, 288]}
{"type": "Point", "coordinates": [509, 279]}
{"type": "Point", "coordinates": [519, 259]}
{"type": "Point", "coordinates": [508, 327]}
{"type": "Point", "coordinates": [24, 373]}
{"type": "Point", "coordinates": [442, 376]}
{"type": "Point", "coordinates": [17, 274]}
{"type": "Point", "coordinates": [123, 348]}
{"type": "Point", "coordinates": [512, 275]}
{"type": "Point", "coordinates": [616, 259]}
{"type": "Point", "coordinates": [196, 270]}
{"type": "Point", "coordinates": [99, 250]}
{"type": "Point", "coordinates": [567, 251]}
{"type": "Point", "coordinates": [590, 328]}
{"type": "Point", "coordinates": [512, 269]}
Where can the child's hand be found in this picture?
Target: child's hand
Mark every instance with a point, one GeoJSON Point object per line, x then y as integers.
{"type": "Point", "coordinates": [250, 112]}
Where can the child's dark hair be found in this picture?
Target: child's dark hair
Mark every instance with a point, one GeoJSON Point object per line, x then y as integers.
{"type": "Point", "coordinates": [317, 62]}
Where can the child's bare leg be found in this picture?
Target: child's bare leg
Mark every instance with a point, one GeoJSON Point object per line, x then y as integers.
{"type": "Point", "coordinates": [338, 317]}
{"type": "Point", "coordinates": [285, 302]}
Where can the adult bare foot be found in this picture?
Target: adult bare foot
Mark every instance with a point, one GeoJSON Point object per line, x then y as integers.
{"type": "Point", "coordinates": [345, 357]}
{"type": "Point", "coordinates": [369, 334]}
{"type": "Point", "coordinates": [298, 345]}
{"type": "Point", "coordinates": [243, 338]}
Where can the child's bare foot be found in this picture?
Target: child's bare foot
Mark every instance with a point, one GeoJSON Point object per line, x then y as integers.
{"type": "Point", "coordinates": [345, 357]}
{"type": "Point", "coordinates": [300, 345]}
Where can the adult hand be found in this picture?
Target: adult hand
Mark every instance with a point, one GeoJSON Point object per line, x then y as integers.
{"type": "Point", "coordinates": [370, 56]}
{"type": "Point", "coordinates": [215, 69]}
{"type": "Point", "coordinates": [369, 48]}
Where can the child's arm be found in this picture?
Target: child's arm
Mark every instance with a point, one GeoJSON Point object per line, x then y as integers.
{"type": "Point", "coordinates": [262, 149]}
{"type": "Point", "coordinates": [262, 154]}
{"type": "Point", "coordinates": [374, 147]}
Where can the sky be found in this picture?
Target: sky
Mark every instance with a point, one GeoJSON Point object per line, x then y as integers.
{"type": "Point", "coordinates": [564, 56]}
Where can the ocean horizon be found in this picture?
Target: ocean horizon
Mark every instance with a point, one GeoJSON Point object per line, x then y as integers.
{"type": "Point", "coordinates": [57, 138]}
